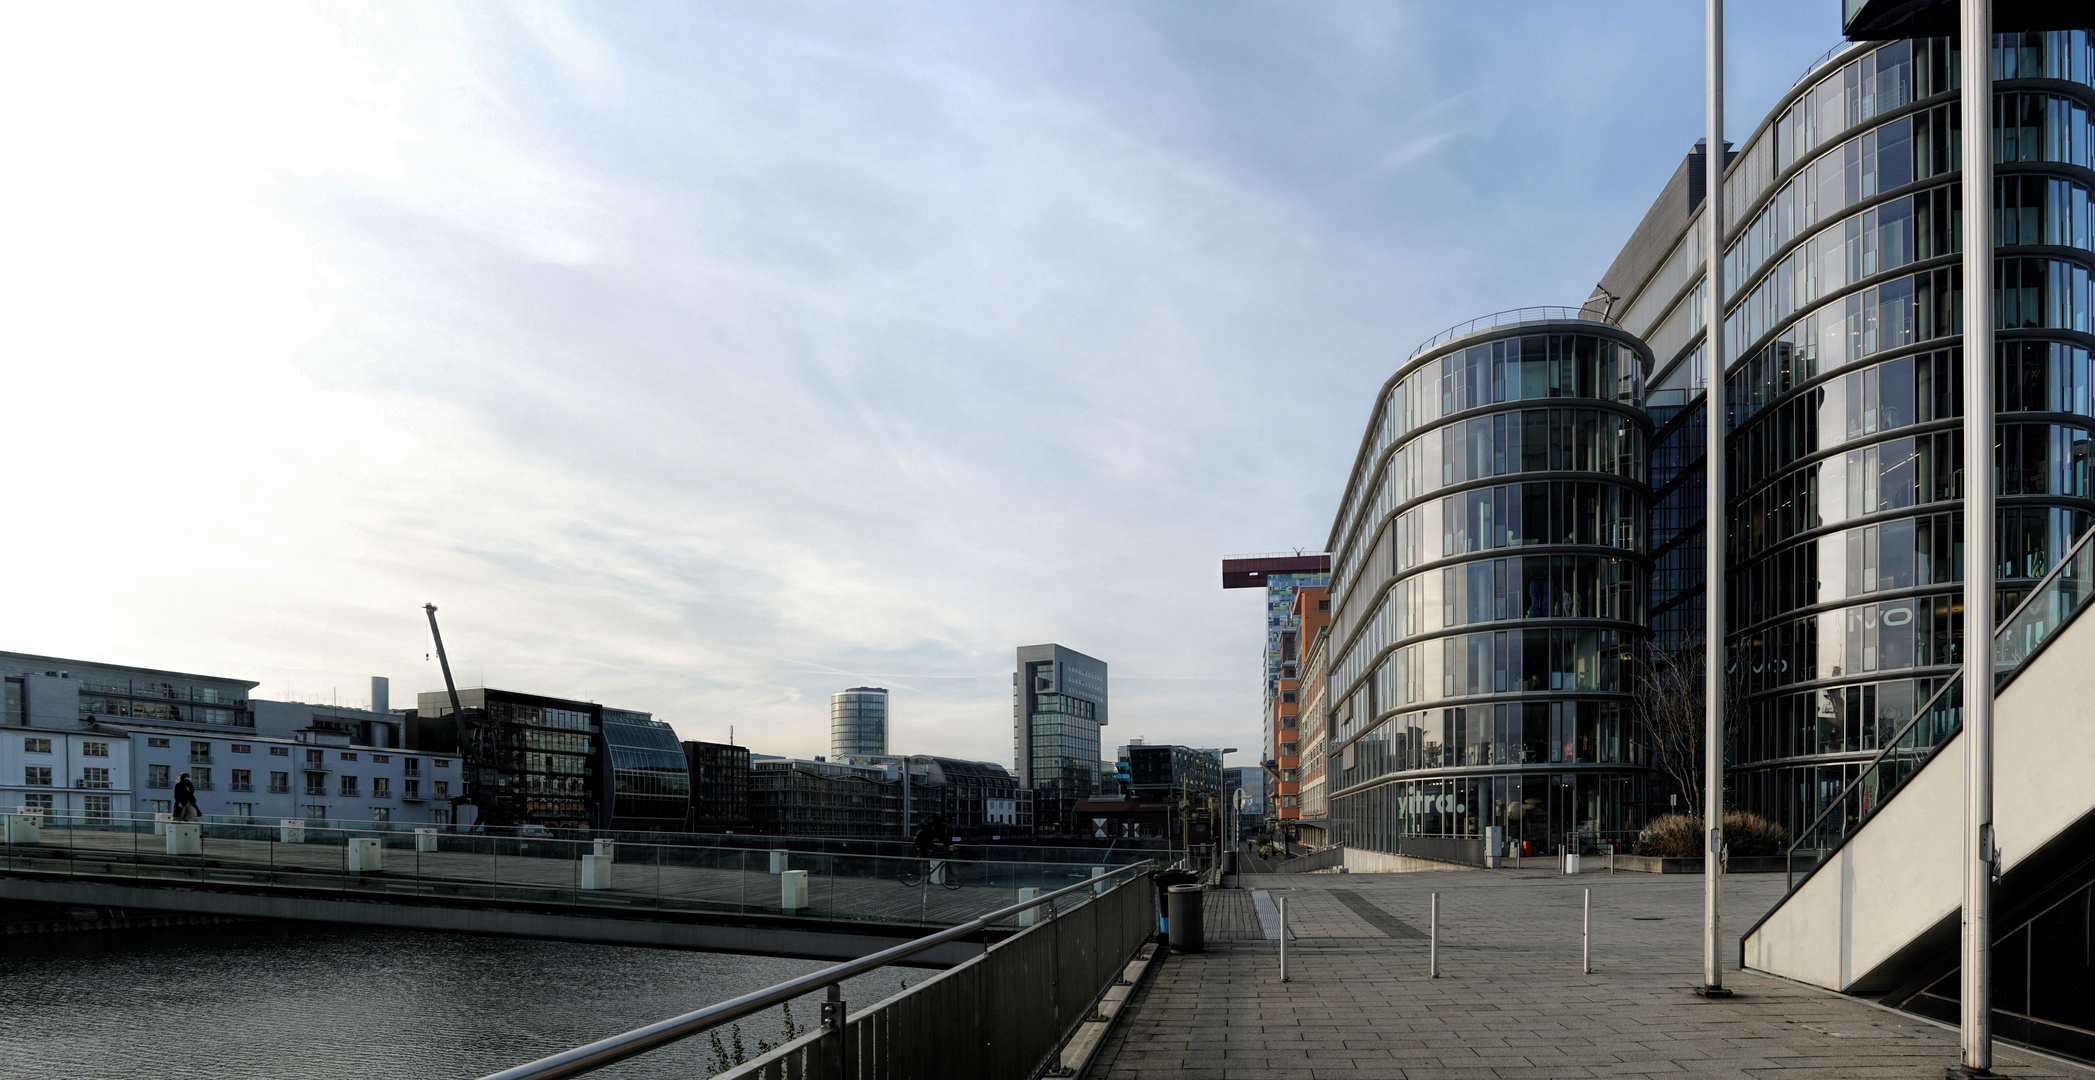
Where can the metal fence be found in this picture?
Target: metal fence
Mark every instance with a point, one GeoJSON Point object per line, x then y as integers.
{"type": "Point", "coordinates": [1003, 1015]}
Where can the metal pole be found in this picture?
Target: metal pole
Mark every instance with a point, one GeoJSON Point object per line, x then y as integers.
{"type": "Point", "coordinates": [1975, 1030]}
{"type": "Point", "coordinates": [1586, 936]}
{"type": "Point", "coordinates": [1715, 532]}
{"type": "Point", "coordinates": [1433, 941]}
{"type": "Point", "coordinates": [1283, 939]}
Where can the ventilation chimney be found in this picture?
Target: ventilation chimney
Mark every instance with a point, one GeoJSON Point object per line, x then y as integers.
{"type": "Point", "coordinates": [379, 694]}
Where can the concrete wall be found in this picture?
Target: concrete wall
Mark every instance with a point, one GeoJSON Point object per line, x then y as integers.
{"type": "Point", "coordinates": [1901, 875]}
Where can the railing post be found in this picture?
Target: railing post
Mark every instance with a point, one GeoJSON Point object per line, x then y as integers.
{"type": "Point", "coordinates": [833, 1047]}
{"type": "Point", "coordinates": [1283, 939]}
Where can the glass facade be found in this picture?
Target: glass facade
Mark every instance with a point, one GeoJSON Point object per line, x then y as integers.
{"type": "Point", "coordinates": [858, 723]}
{"type": "Point", "coordinates": [1489, 594]}
{"type": "Point", "coordinates": [1058, 706]}
{"type": "Point", "coordinates": [1843, 544]}
{"type": "Point", "coordinates": [650, 787]}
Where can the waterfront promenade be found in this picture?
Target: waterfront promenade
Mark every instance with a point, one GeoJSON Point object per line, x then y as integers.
{"type": "Point", "coordinates": [1510, 1000]}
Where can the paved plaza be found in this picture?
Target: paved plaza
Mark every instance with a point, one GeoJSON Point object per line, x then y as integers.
{"type": "Point", "coordinates": [1510, 1000]}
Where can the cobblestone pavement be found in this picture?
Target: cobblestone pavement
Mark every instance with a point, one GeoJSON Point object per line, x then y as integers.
{"type": "Point", "coordinates": [1510, 1000]}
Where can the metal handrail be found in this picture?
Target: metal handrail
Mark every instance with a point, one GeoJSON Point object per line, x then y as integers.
{"type": "Point", "coordinates": [1824, 57]}
{"type": "Point", "coordinates": [2001, 674]}
{"type": "Point", "coordinates": [1513, 317]}
{"type": "Point", "coordinates": [617, 1048]}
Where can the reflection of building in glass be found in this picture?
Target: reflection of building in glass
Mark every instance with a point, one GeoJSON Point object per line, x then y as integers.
{"type": "Point", "coordinates": [1487, 590]}
{"type": "Point", "coordinates": [1843, 398]}
{"type": "Point", "coordinates": [858, 723]}
{"type": "Point", "coordinates": [650, 786]}
{"type": "Point", "coordinates": [719, 786]}
{"type": "Point", "coordinates": [1312, 787]}
{"type": "Point", "coordinates": [1058, 703]}
{"type": "Point", "coordinates": [540, 764]}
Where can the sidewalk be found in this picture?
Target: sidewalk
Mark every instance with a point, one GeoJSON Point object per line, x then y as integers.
{"type": "Point", "coordinates": [1510, 1001]}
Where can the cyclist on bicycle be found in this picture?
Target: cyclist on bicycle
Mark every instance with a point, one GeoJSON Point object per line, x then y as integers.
{"type": "Point", "coordinates": [934, 839]}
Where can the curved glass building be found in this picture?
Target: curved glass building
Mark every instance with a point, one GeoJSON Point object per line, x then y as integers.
{"type": "Point", "coordinates": [858, 723]}
{"type": "Point", "coordinates": [1845, 473]}
{"type": "Point", "coordinates": [1488, 590]}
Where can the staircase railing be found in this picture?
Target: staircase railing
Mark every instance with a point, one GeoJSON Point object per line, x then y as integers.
{"type": "Point", "coordinates": [2054, 602]}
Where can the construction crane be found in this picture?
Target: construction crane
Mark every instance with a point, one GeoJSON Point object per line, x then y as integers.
{"type": "Point", "coordinates": [472, 734]}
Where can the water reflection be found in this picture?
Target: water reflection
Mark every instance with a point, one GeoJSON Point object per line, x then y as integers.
{"type": "Point", "coordinates": [268, 1000]}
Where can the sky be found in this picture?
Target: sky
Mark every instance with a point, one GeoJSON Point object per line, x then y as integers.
{"type": "Point", "coordinates": [708, 358]}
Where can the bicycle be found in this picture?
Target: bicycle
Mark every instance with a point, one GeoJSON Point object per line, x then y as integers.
{"type": "Point", "coordinates": [940, 871]}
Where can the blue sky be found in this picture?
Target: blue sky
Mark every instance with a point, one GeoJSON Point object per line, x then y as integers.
{"type": "Point", "coordinates": [708, 358]}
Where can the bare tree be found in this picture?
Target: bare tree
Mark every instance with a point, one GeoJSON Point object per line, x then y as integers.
{"type": "Point", "coordinates": [1669, 686]}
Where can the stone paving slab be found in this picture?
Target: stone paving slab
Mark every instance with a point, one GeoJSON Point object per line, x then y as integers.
{"type": "Point", "coordinates": [1511, 1000]}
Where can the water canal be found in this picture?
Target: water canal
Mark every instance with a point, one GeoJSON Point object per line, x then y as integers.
{"type": "Point", "coordinates": [301, 1000]}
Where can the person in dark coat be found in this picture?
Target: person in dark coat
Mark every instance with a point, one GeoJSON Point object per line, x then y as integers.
{"type": "Point", "coordinates": [185, 800]}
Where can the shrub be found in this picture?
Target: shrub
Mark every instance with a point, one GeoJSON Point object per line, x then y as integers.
{"type": "Point", "coordinates": [1679, 836]}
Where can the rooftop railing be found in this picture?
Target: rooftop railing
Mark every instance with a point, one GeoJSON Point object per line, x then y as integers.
{"type": "Point", "coordinates": [1512, 317]}
{"type": "Point", "coordinates": [2054, 602]}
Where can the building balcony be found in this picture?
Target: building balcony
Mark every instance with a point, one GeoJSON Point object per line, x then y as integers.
{"type": "Point", "coordinates": [158, 784]}
{"type": "Point", "coordinates": [93, 785]}
{"type": "Point", "coordinates": [240, 787]}
{"type": "Point", "coordinates": [199, 759]}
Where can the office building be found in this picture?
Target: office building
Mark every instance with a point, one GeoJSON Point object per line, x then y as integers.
{"type": "Point", "coordinates": [719, 787]}
{"type": "Point", "coordinates": [537, 757]}
{"type": "Point", "coordinates": [847, 800]}
{"type": "Point", "coordinates": [1843, 396]}
{"type": "Point", "coordinates": [1280, 574]}
{"type": "Point", "coordinates": [1313, 615]}
{"type": "Point", "coordinates": [1245, 786]}
{"type": "Point", "coordinates": [1487, 591]}
{"type": "Point", "coordinates": [1058, 704]}
{"type": "Point", "coordinates": [650, 780]}
{"type": "Point", "coordinates": [858, 723]}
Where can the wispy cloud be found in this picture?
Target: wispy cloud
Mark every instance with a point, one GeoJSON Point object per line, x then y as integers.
{"type": "Point", "coordinates": [708, 359]}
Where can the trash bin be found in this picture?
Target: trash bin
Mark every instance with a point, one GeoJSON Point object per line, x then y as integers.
{"type": "Point", "coordinates": [1164, 880]}
{"type": "Point", "coordinates": [1187, 934]}
{"type": "Point", "coordinates": [1229, 862]}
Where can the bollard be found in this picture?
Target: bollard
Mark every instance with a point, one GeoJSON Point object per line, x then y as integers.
{"type": "Point", "coordinates": [366, 855]}
{"type": "Point", "coordinates": [779, 859]}
{"type": "Point", "coordinates": [1520, 848]}
{"type": "Point", "coordinates": [160, 823]}
{"type": "Point", "coordinates": [1611, 859]}
{"type": "Point", "coordinates": [596, 871]}
{"type": "Point", "coordinates": [1433, 941]}
{"type": "Point", "coordinates": [1283, 939]}
{"type": "Point", "coordinates": [1586, 936]}
{"type": "Point", "coordinates": [792, 891]}
{"type": "Point", "coordinates": [1098, 889]}
{"type": "Point", "coordinates": [425, 840]}
{"type": "Point", "coordinates": [1571, 862]}
{"type": "Point", "coordinates": [185, 838]}
{"type": "Point", "coordinates": [1030, 916]}
{"type": "Point", "coordinates": [291, 830]}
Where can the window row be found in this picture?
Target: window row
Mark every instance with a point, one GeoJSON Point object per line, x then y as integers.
{"type": "Point", "coordinates": [1903, 554]}
{"type": "Point", "coordinates": [1539, 587]}
{"type": "Point", "coordinates": [1539, 811]}
{"type": "Point", "coordinates": [1869, 86]}
{"type": "Point", "coordinates": [2029, 294]}
{"type": "Point", "coordinates": [1534, 367]}
{"type": "Point", "coordinates": [1834, 720]}
{"type": "Point", "coordinates": [1893, 635]}
{"type": "Point", "coordinates": [2028, 459]}
{"type": "Point", "coordinates": [1507, 661]}
{"type": "Point", "coordinates": [1510, 733]}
